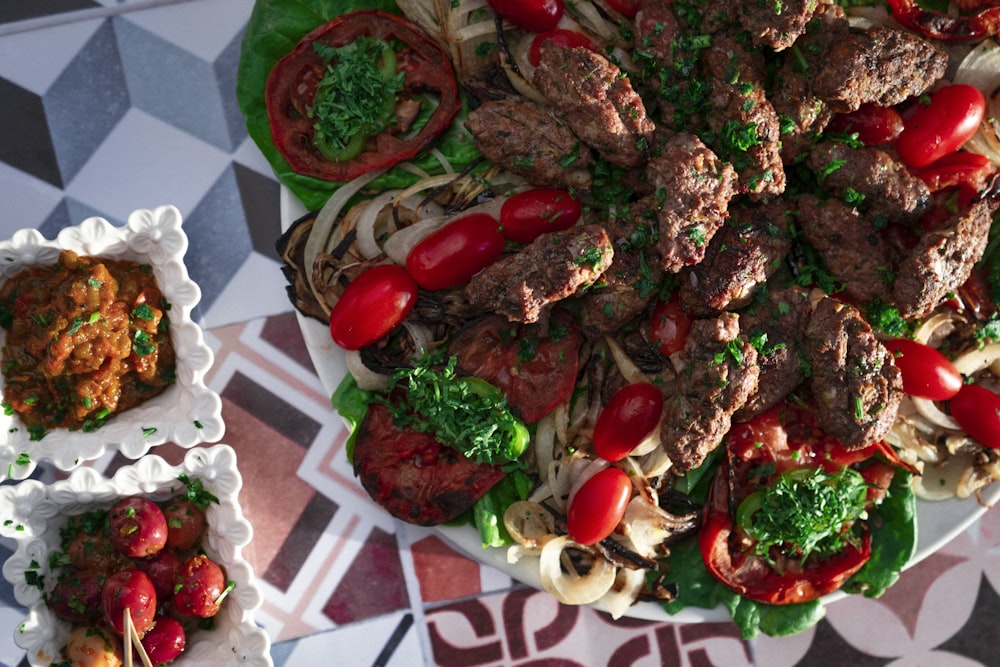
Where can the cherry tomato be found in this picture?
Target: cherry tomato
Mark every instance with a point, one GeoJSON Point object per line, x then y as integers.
{"type": "Point", "coordinates": [164, 641]}
{"type": "Point", "coordinates": [533, 15]}
{"type": "Point", "coordinates": [559, 36]}
{"type": "Point", "coordinates": [598, 506]}
{"type": "Point", "coordinates": [941, 127]}
{"type": "Point", "coordinates": [874, 125]}
{"type": "Point", "coordinates": [926, 372]}
{"type": "Point", "coordinates": [529, 214]}
{"type": "Point", "coordinates": [162, 570]}
{"type": "Point", "coordinates": [977, 411]}
{"type": "Point", "coordinates": [200, 587]}
{"type": "Point", "coordinates": [186, 523]}
{"type": "Point", "coordinates": [670, 326]}
{"type": "Point", "coordinates": [627, 8]}
{"type": "Point", "coordinates": [454, 253]}
{"type": "Point", "coordinates": [77, 596]}
{"type": "Point", "coordinates": [628, 418]}
{"type": "Point", "coordinates": [138, 527]}
{"type": "Point", "coordinates": [133, 590]}
{"type": "Point", "coordinates": [372, 305]}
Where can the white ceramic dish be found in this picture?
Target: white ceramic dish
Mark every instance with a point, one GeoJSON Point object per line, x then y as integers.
{"type": "Point", "coordinates": [32, 514]}
{"type": "Point", "coordinates": [187, 413]}
{"type": "Point", "coordinates": [937, 522]}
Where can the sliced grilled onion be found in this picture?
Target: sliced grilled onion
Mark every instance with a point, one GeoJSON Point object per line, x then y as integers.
{"type": "Point", "coordinates": [562, 477]}
{"type": "Point", "coordinates": [420, 335]}
{"type": "Point", "coordinates": [582, 474]}
{"type": "Point", "coordinates": [366, 378]}
{"type": "Point", "coordinates": [977, 360]}
{"type": "Point", "coordinates": [398, 246]}
{"type": "Point", "coordinates": [519, 71]}
{"type": "Point", "coordinates": [560, 578]}
{"type": "Point", "coordinates": [941, 481]}
{"type": "Point", "coordinates": [647, 526]}
{"type": "Point", "coordinates": [936, 328]}
{"type": "Point", "coordinates": [628, 368]}
{"type": "Point", "coordinates": [623, 593]}
{"type": "Point", "coordinates": [929, 410]}
{"type": "Point", "coordinates": [367, 220]}
{"type": "Point", "coordinates": [545, 444]}
{"type": "Point", "coordinates": [326, 221]}
{"type": "Point", "coordinates": [530, 525]}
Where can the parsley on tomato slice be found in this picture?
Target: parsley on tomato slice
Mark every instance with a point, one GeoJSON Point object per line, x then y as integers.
{"type": "Point", "coordinates": [412, 475]}
{"type": "Point", "coordinates": [786, 517]}
{"type": "Point", "coordinates": [297, 84]}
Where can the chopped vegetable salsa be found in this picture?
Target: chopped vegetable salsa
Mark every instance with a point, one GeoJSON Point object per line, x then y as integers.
{"type": "Point", "coordinates": [86, 338]}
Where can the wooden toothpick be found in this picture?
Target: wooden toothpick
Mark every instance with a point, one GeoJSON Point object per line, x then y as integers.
{"type": "Point", "coordinates": [132, 639]}
{"type": "Point", "coordinates": [127, 630]}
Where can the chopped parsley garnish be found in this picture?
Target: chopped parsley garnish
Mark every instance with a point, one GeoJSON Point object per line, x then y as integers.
{"type": "Point", "coordinates": [886, 318]}
{"type": "Point", "coordinates": [697, 236]}
{"type": "Point", "coordinates": [196, 492]}
{"type": "Point", "coordinates": [758, 340]}
{"type": "Point", "coordinates": [733, 349]}
{"type": "Point", "coordinates": [853, 198]}
{"type": "Point", "coordinates": [738, 137]}
{"type": "Point", "coordinates": [989, 331]}
{"type": "Point", "coordinates": [143, 312]}
{"type": "Point", "coordinates": [466, 414]}
{"type": "Point", "coordinates": [806, 509]}
{"type": "Point", "coordinates": [527, 348]}
{"type": "Point", "coordinates": [142, 344]}
{"type": "Point", "coordinates": [592, 257]}
{"type": "Point", "coordinates": [356, 98]}
{"type": "Point", "coordinates": [830, 167]}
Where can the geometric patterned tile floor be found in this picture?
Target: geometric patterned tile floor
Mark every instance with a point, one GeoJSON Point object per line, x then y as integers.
{"type": "Point", "coordinates": [132, 105]}
{"type": "Point", "coordinates": [112, 105]}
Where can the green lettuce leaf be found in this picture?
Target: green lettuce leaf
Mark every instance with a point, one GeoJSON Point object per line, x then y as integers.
{"type": "Point", "coordinates": [894, 540]}
{"type": "Point", "coordinates": [275, 27]}
{"type": "Point", "coordinates": [351, 402]}
{"type": "Point", "coordinates": [487, 513]}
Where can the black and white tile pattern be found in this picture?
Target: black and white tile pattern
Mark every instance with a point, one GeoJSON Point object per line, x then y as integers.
{"type": "Point", "coordinates": [113, 106]}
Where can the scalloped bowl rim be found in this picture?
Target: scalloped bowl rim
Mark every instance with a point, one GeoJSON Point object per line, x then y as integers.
{"type": "Point", "coordinates": [186, 413]}
{"type": "Point", "coordinates": [31, 513]}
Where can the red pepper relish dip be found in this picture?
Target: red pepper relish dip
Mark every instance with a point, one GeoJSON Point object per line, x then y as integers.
{"type": "Point", "coordinates": [86, 338]}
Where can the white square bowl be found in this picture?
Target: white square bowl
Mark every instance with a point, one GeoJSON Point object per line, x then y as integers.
{"type": "Point", "coordinates": [33, 513]}
{"type": "Point", "coordinates": [186, 413]}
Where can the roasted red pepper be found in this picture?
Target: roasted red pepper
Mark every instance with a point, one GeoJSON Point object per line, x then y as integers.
{"type": "Point", "coordinates": [983, 23]}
